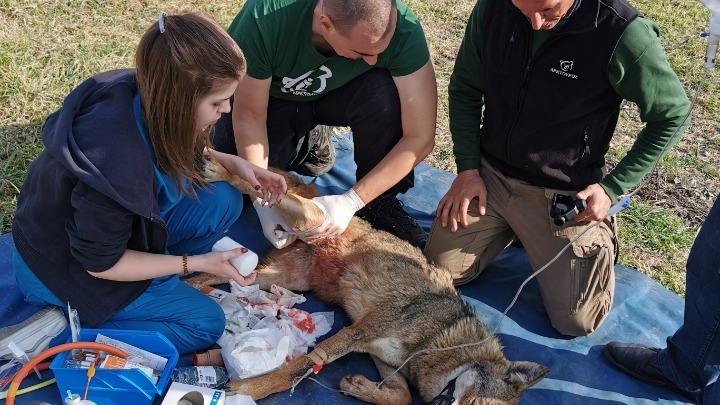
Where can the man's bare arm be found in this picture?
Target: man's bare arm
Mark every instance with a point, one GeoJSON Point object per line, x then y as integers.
{"type": "Point", "coordinates": [418, 103]}
{"type": "Point", "coordinates": [249, 118]}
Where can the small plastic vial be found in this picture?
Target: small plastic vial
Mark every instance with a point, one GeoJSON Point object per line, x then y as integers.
{"type": "Point", "coordinates": [245, 263]}
{"type": "Point", "coordinates": [74, 399]}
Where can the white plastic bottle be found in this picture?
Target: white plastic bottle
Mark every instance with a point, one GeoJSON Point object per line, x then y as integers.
{"type": "Point", "coordinates": [245, 263]}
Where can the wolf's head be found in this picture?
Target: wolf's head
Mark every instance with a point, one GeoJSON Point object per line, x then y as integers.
{"type": "Point", "coordinates": [496, 383]}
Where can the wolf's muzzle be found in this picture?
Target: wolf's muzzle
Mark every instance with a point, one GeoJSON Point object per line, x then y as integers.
{"type": "Point", "coordinates": [446, 397]}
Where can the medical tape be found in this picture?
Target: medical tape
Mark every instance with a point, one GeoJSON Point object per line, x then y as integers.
{"type": "Point", "coordinates": [318, 356]}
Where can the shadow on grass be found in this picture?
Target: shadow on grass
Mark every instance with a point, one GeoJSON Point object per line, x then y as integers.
{"type": "Point", "coordinates": [19, 145]}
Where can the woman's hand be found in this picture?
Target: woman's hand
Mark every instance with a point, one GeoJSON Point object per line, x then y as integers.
{"type": "Point", "coordinates": [218, 263]}
{"type": "Point", "coordinates": [271, 185]}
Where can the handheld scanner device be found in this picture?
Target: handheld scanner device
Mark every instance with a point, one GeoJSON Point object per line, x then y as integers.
{"type": "Point", "coordinates": [565, 208]}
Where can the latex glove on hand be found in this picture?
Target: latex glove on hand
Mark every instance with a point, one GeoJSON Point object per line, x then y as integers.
{"type": "Point", "coordinates": [273, 224]}
{"type": "Point", "coordinates": [339, 210]}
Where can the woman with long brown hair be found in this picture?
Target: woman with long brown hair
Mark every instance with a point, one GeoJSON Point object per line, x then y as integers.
{"type": "Point", "coordinates": [115, 207]}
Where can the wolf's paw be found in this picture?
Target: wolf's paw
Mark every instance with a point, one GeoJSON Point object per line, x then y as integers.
{"type": "Point", "coordinates": [357, 385]}
{"type": "Point", "coordinates": [213, 171]}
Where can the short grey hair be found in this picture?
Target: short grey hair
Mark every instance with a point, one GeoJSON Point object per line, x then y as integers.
{"type": "Point", "coordinates": [345, 14]}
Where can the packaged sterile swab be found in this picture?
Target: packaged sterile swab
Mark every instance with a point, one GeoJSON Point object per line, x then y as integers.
{"type": "Point", "coordinates": [245, 263]}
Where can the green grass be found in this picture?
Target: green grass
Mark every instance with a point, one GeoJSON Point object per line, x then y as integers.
{"type": "Point", "coordinates": [49, 46]}
{"type": "Point", "coordinates": [46, 49]}
{"type": "Point", "coordinates": [657, 240]}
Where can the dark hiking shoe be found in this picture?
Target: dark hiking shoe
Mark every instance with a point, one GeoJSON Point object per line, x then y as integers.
{"type": "Point", "coordinates": [321, 156]}
{"type": "Point", "coordinates": [387, 214]}
{"type": "Point", "coordinates": [641, 362]}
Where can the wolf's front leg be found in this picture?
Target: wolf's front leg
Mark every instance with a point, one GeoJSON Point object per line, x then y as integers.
{"type": "Point", "coordinates": [283, 378]}
{"type": "Point", "coordinates": [272, 382]}
{"type": "Point", "coordinates": [214, 171]}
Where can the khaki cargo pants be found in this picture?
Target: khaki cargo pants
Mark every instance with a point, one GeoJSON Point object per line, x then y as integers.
{"type": "Point", "coordinates": [577, 288]}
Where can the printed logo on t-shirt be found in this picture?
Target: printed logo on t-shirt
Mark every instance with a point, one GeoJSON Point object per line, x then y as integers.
{"type": "Point", "coordinates": [311, 83]}
{"type": "Point", "coordinates": [565, 68]}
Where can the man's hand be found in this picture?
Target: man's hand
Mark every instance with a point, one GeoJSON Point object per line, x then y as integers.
{"type": "Point", "coordinates": [454, 205]}
{"type": "Point", "coordinates": [339, 210]}
{"type": "Point", "coordinates": [273, 225]}
{"type": "Point", "coordinates": [598, 204]}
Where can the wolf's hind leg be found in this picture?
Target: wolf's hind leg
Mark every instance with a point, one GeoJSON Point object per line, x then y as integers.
{"type": "Point", "coordinates": [394, 390]}
{"type": "Point", "coordinates": [201, 280]}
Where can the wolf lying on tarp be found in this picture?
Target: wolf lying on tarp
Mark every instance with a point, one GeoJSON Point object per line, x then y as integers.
{"type": "Point", "coordinates": [400, 305]}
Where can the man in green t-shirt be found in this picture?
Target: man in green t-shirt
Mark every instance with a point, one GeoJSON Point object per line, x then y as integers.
{"type": "Point", "coordinates": [358, 63]}
{"type": "Point", "coordinates": [534, 99]}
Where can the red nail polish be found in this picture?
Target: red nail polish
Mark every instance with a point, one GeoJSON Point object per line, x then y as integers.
{"type": "Point", "coordinates": [244, 250]}
{"type": "Point", "coordinates": [257, 187]}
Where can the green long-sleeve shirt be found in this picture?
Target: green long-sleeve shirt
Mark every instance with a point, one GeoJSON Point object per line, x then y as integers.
{"type": "Point", "coordinates": [638, 72]}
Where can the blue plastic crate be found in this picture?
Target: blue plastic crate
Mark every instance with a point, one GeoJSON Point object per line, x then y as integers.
{"type": "Point", "coordinates": [118, 387]}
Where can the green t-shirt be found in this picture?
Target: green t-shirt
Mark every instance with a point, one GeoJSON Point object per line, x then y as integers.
{"type": "Point", "coordinates": [276, 37]}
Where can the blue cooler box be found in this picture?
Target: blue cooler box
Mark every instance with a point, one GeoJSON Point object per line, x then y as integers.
{"type": "Point", "coordinates": [117, 387]}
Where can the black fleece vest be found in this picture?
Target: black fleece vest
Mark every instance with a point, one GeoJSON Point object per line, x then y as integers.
{"type": "Point", "coordinates": [549, 117]}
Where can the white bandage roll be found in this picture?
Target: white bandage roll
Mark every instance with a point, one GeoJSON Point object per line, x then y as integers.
{"type": "Point", "coordinates": [245, 263]}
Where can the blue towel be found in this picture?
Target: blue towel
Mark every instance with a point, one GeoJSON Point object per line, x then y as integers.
{"type": "Point", "coordinates": [643, 312]}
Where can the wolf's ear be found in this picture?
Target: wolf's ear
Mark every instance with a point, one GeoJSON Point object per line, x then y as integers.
{"type": "Point", "coordinates": [523, 374]}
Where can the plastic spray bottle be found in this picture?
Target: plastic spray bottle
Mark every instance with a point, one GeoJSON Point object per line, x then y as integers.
{"type": "Point", "coordinates": [714, 32]}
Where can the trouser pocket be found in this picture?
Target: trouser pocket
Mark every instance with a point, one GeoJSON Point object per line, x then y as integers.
{"type": "Point", "coordinates": [590, 269]}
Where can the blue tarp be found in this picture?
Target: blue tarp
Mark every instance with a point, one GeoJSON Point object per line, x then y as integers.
{"type": "Point", "coordinates": [643, 312]}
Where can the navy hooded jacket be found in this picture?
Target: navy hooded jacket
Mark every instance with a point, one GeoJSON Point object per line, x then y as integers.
{"type": "Point", "coordinates": [90, 196]}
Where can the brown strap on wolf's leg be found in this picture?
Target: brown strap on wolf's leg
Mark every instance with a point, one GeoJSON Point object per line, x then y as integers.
{"type": "Point", "coordinates": [318, 356]}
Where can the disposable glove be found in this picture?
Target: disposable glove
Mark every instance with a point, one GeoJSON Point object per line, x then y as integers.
{"type": "Point", "coordinates": [339, 210]}
{"type": "Point", "coordinates": [272, 222]}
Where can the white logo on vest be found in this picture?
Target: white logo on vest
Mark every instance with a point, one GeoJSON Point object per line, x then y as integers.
{"type": "Point", "coordinates": [565, 67]}
{"type": "Point", "coordinates": [311, 83]}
